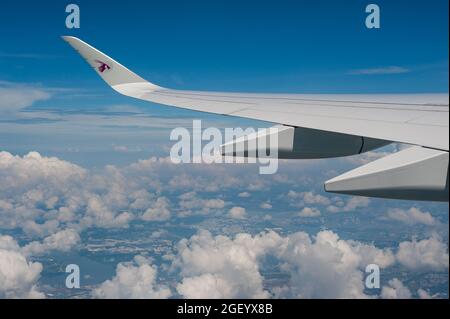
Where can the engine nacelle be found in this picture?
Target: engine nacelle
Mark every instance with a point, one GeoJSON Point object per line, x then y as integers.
{"type": "Point", "coordinates": [300, 143]}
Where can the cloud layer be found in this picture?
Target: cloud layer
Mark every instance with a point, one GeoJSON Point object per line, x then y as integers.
{"type": "Point", "coordinates": [52, 202]}
{"type": "Point", "coordinates": [320, 266]}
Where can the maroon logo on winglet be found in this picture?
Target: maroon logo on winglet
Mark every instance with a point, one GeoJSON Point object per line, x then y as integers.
{"type": "Point", "coordinates": [103, 66]}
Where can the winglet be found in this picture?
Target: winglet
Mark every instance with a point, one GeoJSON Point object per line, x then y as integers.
{"type": "Point", "coordinates": [111, 71]}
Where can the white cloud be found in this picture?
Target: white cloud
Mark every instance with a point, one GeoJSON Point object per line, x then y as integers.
{"type": "Point", "coordinates": [381, 70]}
{"type": "Point", "coordinates": [309, 212]}
{"type": "Point", "coordinates": [99, 214]}
{"type": "Point", "coordinates": [307, 198]}
{"type": "Point", "coordinates": [244, 194]}
{"type": "Point", "coordinates": [14, 97]}
{"type": "Point", "coordinates": [320, 267]}
{"type": "Point", "coordinates": [266, 205]}
{"type": "Point", "coordinates": [191, 204]}
{"type": "Point", "coordinates": [159, 212]}
{"type": "Point", "coordinates": [423, 294]}
{"type": "Point", "coordinates": [256, 185]}
{"type": "Point", "coordinates": [221, 267]}
{"type": "Point", "coordinates": [237, 212]}
{"type": "Point", "coordinates": [336, 204]}
{"type": "Point", "coordinates": [311, 198]}
{"type": "Point", "coordinates": [352, 204]}
{"type": "Point", "coordinates": [33, 168]}
{"type": "Point", "coordinates": [327, 266]}
{"type": "Point", "coordinates": [395, 290]}
{"type": "Point", "coordinates": [43, 195]}
{"type": "Point", "coordinates": [46, 196]}
{"type": "Point", "coordinates": [426, 254]}
{"type": "Point", "coordinates": [133, 280]}
{"type": "Point", "coordinates": [126, 149]}
{"type": "Point", "coordinates": [63, 240]}
{"type": "Point", "coordinates": [411, 216]}
{"type": "Point", "coordinates": [364, 158]}
{"type": "Point", "coordinates": [33, 228]}
{"type": "Point", "coordinates": [211, 286]}
{"type": "Point", "coordinates": [18, 277]}
{"type": "Point", "coordinates": [32, 186]}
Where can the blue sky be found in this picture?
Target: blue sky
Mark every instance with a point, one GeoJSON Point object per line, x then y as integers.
{"type": "Point", "coordinates": [85, 177]}
{"type": "Point", "coordinates": [290, 46]}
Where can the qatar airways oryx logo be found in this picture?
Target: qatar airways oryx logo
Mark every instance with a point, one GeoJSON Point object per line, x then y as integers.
{"type": "Point", "coordinates": [102, 66]}
{"type": "Point", "coordinates": [236, 146]}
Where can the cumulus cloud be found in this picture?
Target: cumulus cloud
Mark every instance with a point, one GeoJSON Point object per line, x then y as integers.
{"type": "Point", "coordinates": [323, 266]}
{"type": "Point", "coordinates": [159, 211]}
{"type": "Point", "coordinates": [33, 168]}
{"type": "Point", "coordinates": [43, 195]}
{"type": "Point", "coordinates": [98, 213]}
{"type": "Point", "coordinates": [237, 212]}
{"type": "Point", "coordinates": [244, 194]}
{"type": "Point", "coordinates": [63, 240]}
{"type": "Point", "coordinates": [311, 198]}
{"type": "Point", "coordinates": [395, 290]}
{"type": "Point", "coordinates": [426, 254]}
{"type": "Point", "coordinates": [352, 204]}
{"type": "Point", "coordinates": [191, 204]}
{"type": "Point", "coordinates": [423, 294]}
{"type": "Point", "coordinates": [334, 204]}
{"type": "Point", "coordinates": [307, 198]}
{"type": "Point", "coordinates": [309, 212]}
{"type": "Point", "coordinates": [133, 280]}
{"type": "Point", "coordinates": [266, 205]}
{"type": "Point", "coordinates": [33, 187]}
{"type": "Point", "coordinates": [45, 228]}
{"type": "Point", "coordinates": [411, 216]}
{"type": "Point", "coordinates": [222, 267]}
{"type": "Point", "coordinates": [206, 285]}
{"type": "Point", "coordinates": [18, 276]}
{"type": "Point", "coordinates": [327, 266]}
{"type": "Point", "coordinates": [365, 158]}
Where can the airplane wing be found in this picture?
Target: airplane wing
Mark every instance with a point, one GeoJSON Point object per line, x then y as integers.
{"type": "Point", "coordinates": [351, 123]}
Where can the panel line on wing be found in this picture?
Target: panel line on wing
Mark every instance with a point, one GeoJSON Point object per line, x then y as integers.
{"type": "Point", "coordinates": [371, 108]}
{"type": "Point", "coordinates": [293, 98]}
{"type": "Point", "coordinates": [202, 99]}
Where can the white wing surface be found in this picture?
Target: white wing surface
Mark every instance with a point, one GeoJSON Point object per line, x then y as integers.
{"type": "Point", "coordinates": [417, 119]}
